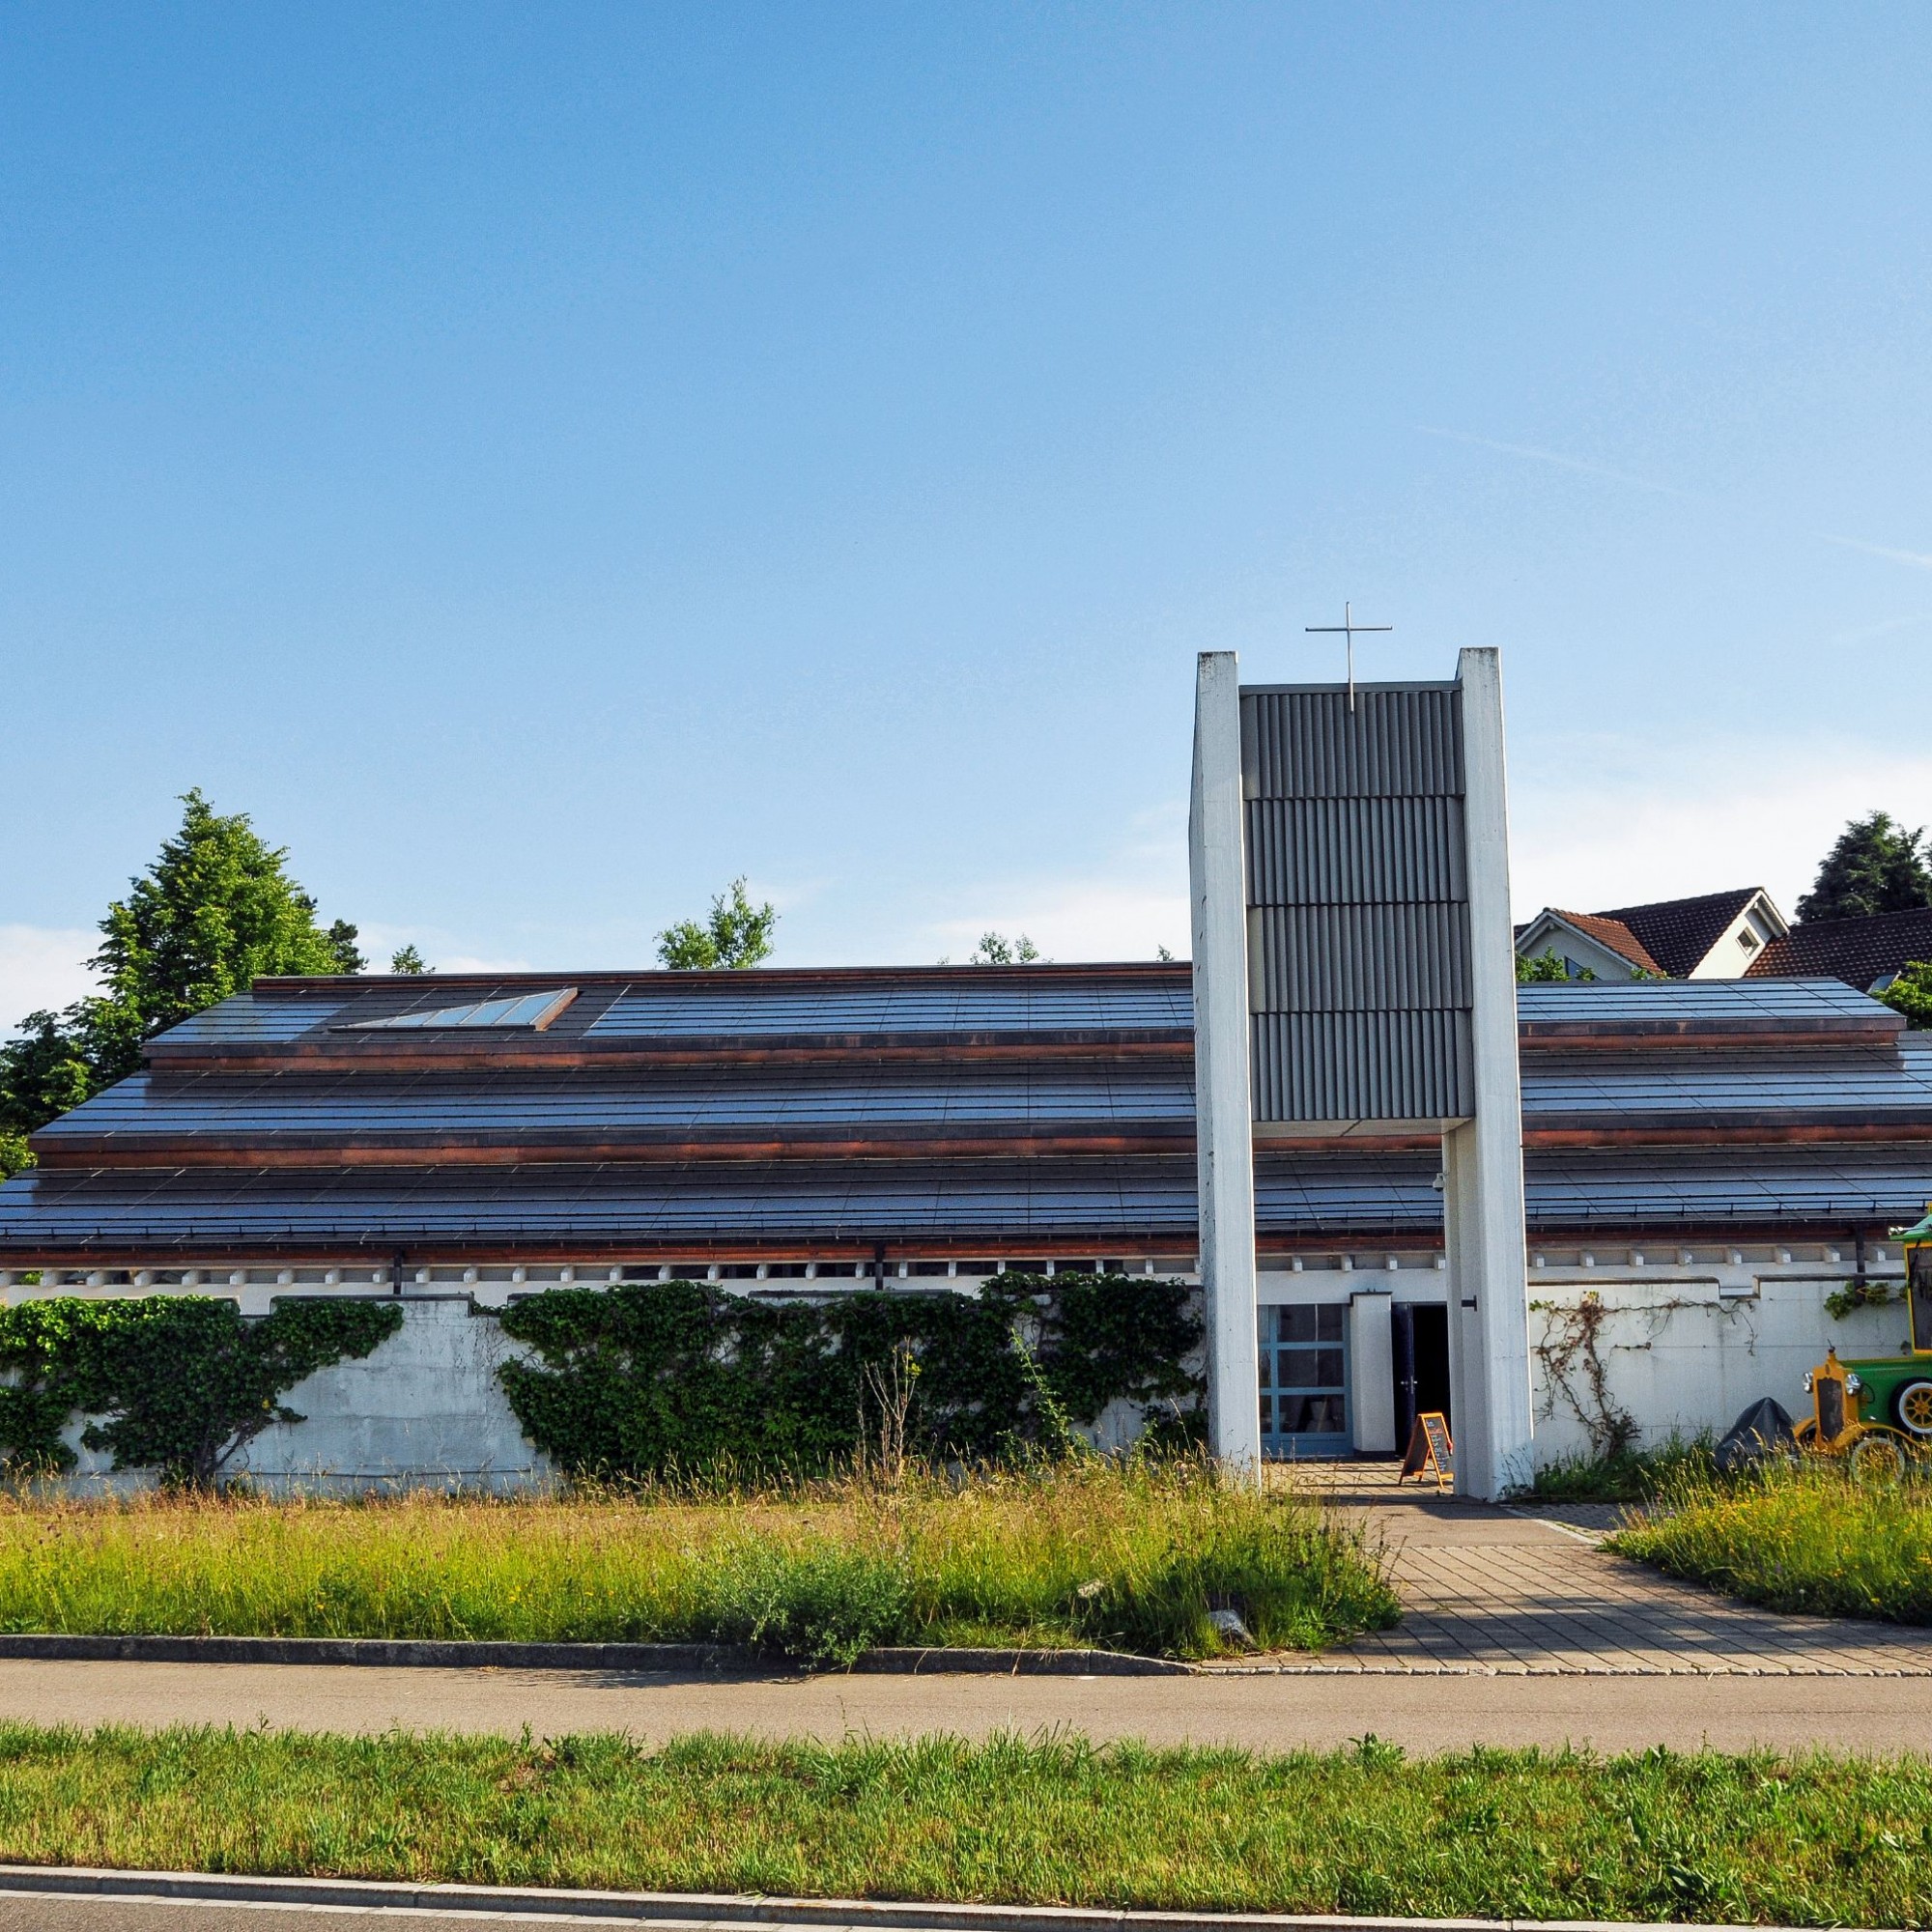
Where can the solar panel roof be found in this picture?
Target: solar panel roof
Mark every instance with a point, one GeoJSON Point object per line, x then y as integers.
{"type": "Point", "coordinates": [533, 1105]}
{"type": "Point", "coordinates": [1621, 1002]}
{"type": "Point", "coordinates": [1115, 1202]}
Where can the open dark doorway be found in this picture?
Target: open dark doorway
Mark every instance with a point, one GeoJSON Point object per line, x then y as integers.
{"type": "Point", "coordinates": [1421, 1365]}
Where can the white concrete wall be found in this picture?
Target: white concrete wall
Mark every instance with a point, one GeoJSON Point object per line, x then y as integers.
{"type": "Point", "coordinates": [1685, 1349]}
{"type": "Point", "coordinates": [426, 1406]}
{"type": "Point", "coordinates": [425, 1409]}
{"type": "Point", "coordinates": [1685, 1344]}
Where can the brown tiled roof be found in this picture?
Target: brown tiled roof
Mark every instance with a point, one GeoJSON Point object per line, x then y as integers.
{"type": "Point", "coordinates": [1611, 932]}
{"type": "Point", "coordinates": [1859, 952]}
{"type": "Point", "coordinates": [1678, 933]}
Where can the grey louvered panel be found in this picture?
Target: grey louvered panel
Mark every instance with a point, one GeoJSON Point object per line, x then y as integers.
{"type": "Point", "coordinates": [1398, 741]}
{"type": "Point", "coordinates": [1354, 851]}
{"type": "Point", "coordinates": [1358, 888]}
{"type": "Point", "coordinates": [1369, 958]}
{"type": "Point", "coordinates": [1363, 1066]}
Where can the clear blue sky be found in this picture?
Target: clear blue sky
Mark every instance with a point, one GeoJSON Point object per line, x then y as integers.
{"type": "Point", "coordinates": [542, 461]}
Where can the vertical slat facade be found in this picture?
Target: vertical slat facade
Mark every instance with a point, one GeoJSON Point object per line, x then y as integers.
{"type": "Point", "coordinates": [1358, 898]}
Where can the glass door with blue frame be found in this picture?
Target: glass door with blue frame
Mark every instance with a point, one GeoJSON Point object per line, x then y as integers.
{"type": "Point", "coordinates": [1304, 1360]}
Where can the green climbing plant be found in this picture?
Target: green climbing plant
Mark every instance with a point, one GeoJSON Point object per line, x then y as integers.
{"type": "Point", "coordinates": [657, 1376]}
{"type": "Point", "coordinates": [177, 1383]}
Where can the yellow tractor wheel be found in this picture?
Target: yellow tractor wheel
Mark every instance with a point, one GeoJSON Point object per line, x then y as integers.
{"type": "Point", "coordinates": [1878, 1459]}
{"type": "Point", "coordinates": [1915, 1409]}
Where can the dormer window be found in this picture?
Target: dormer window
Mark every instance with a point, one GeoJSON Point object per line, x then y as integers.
{"type": "Point", "coordinates": [1750, 940]}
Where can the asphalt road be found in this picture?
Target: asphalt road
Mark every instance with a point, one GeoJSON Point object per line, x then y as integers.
{"type": "Point", "coordinates": [1423, 1713]}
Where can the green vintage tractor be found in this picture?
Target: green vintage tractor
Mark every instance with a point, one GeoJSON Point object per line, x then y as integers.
{"type": "Point", "coordinates": [1878, 1413]}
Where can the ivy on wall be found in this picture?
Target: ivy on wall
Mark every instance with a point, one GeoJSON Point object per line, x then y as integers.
{"type": "Point", "coordinates": [174, 1382]}
{"type": "Point", "coordinates": [646, 1377]}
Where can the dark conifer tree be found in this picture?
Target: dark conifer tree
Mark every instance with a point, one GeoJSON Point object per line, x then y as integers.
{"type": "Point", "coordinates": [1877, 866]}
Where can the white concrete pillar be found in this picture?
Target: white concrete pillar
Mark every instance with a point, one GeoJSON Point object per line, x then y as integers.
{"type": "Point", "coordinates": [1372, 1371]}
{"type": "Point", "coordinates": [1483, 1161]}
{"type": "Point", "coordinates": [1461, 1215]}
{"type": "Point", "coordinates": [1224, 1132]}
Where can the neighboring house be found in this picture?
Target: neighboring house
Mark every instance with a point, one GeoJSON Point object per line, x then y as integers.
{"type": "Point", "coordinates": [1867, 953]}
{"type": "Point", "coordinates": [1714, 936]}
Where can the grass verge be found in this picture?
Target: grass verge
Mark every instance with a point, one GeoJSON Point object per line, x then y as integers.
{"type": "Point", "coordinates": [1805, 1538]}
{"type": "Point", "coordinates": [1487, 1833]}
{"type": "Point", "coordinates": [1130, 1557]}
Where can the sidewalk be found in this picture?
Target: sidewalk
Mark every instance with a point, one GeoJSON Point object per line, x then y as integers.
{"type": "Point", "coordinates": [1527, 1590]}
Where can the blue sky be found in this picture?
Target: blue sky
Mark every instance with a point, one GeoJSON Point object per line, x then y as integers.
{"type": "Point", "coordinates": [543, 460]}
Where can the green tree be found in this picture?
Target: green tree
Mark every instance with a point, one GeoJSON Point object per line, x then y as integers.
{"type": "Point", "coordinates": [48, 1066]}
{"type": "Point", "coordinates": [1546, 966]}
{"type": "Point", "coordinates": [737, 934]}
{"type": "Point", "coordinates": [406, 959]}
{"type": "Point", "coordinates": [216, 909]}
{"type": "Point", "coordinates": [1877, 866]}
{"type": "Point", "coordinates": [996, 950]}
{"type": "Point", "coordinates": [1911, 994]}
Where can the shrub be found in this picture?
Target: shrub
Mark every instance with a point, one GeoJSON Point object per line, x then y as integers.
{"type": "Point", "coordinates": [823, 1603]}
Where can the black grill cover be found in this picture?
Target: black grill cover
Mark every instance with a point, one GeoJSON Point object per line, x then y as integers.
{"type": "Point", "coordinates": [1763, 1429]}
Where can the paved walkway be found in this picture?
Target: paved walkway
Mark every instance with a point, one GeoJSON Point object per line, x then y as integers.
{"type": "Point", "coordinates": [1528, 1592]}
{"type": "Point", "coordinates": [1270, 1713]}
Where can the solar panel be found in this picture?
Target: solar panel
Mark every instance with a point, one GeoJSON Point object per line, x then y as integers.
{"type": "Point", "coordinates": [532, 1011]}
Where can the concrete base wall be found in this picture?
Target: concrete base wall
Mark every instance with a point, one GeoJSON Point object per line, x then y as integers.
{"type": "Point", "coordinates": [1683, 1347]}
{"type": "Point", "coordinates": [425, 1409]}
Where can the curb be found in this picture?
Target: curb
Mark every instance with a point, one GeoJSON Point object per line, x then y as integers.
{"type": "Point", "coordinates": [694, 1909]}
{"type": "Point", "coordinates": [422, 1653]}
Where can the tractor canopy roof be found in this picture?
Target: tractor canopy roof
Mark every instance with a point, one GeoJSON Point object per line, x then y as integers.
{"type": "Point", "coordinates": [1920, 1230]}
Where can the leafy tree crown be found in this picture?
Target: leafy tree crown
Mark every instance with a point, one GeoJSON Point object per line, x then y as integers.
{"type": "Point", "coordinates": [737, 934]}
{"type": "Point", "coordinates": [1911, 994]}
{"type": "Point", "coordinates": [995, 949]}
{"type": "Point", "coordinates": [1547, 965]}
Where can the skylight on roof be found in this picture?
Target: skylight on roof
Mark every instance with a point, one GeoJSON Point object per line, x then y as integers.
{"type": "Point", "coordinates": [530, 1010]}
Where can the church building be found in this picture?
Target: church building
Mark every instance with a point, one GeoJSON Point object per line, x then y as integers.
{"type": "Point", "coordinates": [1727, 1149]}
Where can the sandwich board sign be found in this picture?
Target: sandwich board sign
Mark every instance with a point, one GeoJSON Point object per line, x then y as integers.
{"type": "Point", "coordinates": [1430, 1451]}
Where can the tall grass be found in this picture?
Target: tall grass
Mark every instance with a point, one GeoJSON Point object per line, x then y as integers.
{"type": "Point", "coordinates": [1491, 1833]}
{"type": "Point", "coordinates": [1805, 1538]}
{"type": "Point", "coordinates": [1130, 1556]}
{"type": "Point", "coordinates": [1627, 1476]}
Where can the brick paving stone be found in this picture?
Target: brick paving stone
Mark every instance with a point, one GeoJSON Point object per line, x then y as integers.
{"type": "Point", "coordinates": [1529, 1591]}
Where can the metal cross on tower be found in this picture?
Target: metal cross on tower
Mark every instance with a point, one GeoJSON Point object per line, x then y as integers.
{"type": "Point", "coordinates": [1347, 628]}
